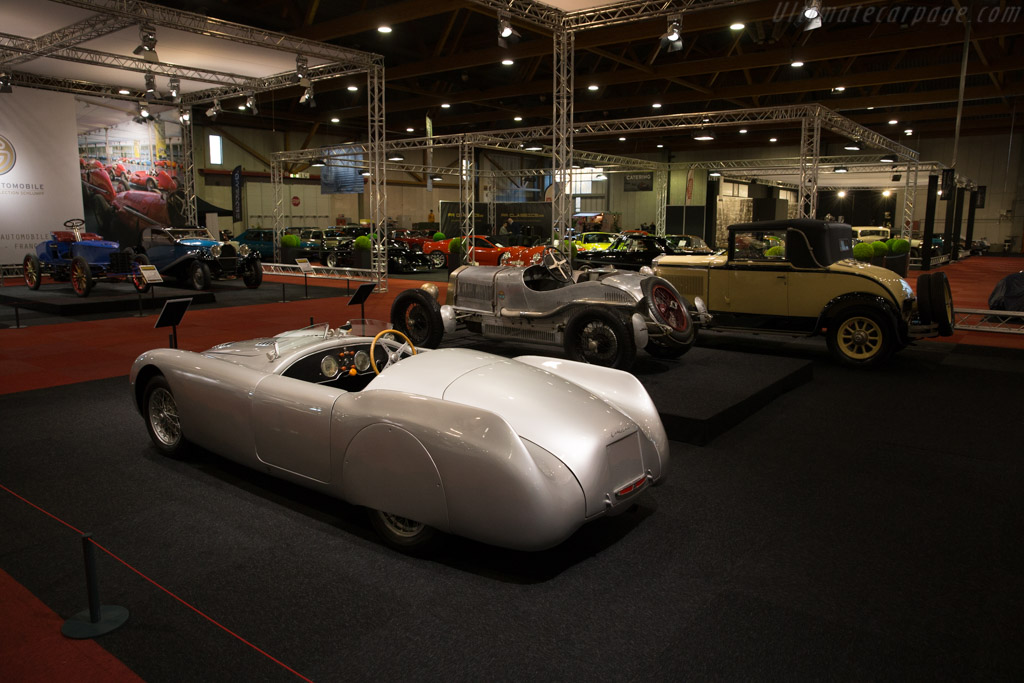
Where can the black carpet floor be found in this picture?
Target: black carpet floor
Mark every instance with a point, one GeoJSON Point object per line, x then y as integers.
{"type": "Point", "coordinates": [861, 526]}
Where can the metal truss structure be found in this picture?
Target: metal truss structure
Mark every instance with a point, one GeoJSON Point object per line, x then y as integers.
{"type": "Point", "coordinates": [810, 146]}
{"type": "Point", "coordinates": [188, 178]}
{"type": "Point", "coordinates": [562, 134]}
{"type": "Point", "coordinates": [614, 13]}
{"type": "Point", "coordinates": [377, 185]}
{"type": "Point", "coordinates": [467, 182]}
{"type": "Point", "coordinates": [660, 201]}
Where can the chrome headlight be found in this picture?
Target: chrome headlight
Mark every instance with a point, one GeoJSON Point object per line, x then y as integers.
{"type": "Point", "coordinates": [646, 270]}
{"type": "Point", "coordinates": [215, 251]}
{"type": "Point", "coordinates": [243, 249]}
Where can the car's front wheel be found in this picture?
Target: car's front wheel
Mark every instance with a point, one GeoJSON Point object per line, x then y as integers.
{"type": "Point", "coordinates": [252, 276]}
{"type": "Point", "coordinates": [437, 259]}
{"type": "Point", "coordinates": [405, 534]}
{"type": "Point", "coordinates": [331, 259]}
{"type": "Point", "coordinates": [162, 421]}
{"type": "Point", "coordinates": [81, 276]}
{"type": "Point", "coordinates": [600, 336]}
{"type": "Point", "coordinates": [32, 271]}
{"type": "Point", "coordinates": [860, 337]}
{"type": "Point", "coordinates": [199, 275]}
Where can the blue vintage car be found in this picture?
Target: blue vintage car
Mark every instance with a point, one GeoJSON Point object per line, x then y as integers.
{"type": "Point", "coordinates": [195, 257]}
{"type": "Point", "coordinates": [82, 258]}
{"type": "Point", "coordinates": [262, 240]}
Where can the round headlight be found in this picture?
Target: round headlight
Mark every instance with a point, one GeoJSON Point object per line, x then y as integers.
{"type": "Point", "coordinates": [646, 270]}
{"type": "Point", "coordinates": [215, 251]}
{"type": "Point", "coordinates": [243, 249]}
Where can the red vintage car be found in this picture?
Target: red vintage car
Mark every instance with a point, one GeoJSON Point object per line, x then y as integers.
{"type": "Point", "coordinates": [413, 239]}
{"type": "Point", "coordinates": [161, 180]}
{"type": "Point", "coordinates": [487, 251]}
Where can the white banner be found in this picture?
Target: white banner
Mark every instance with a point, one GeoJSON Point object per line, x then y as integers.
{"type": "Point", "coordinates": [40, 185]}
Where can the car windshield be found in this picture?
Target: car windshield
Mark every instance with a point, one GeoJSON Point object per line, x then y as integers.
{"type": "Point", "coordinates": [311, 234]}
{"type": "Point", "coordinates": [598, 237]}
{"type": "Point", "coordinates": [189, 233]}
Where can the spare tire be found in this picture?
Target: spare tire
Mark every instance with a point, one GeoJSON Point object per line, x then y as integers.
{"type": "Point", "coordinates": [417, 315]}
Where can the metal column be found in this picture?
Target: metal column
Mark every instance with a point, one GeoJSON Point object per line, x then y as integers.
{"type": "Point", "coordinates": [810, 144]}
{"type": "Point", "coordinates": [562, 129]}
{"type": "Point", "coordinates": [929, 222]}
{"type": "Point", "coordinates": [378, 199]}
{"type": "Point", "coordinates": [972, 207]}
{"type": "Point", "coordinates": [466, 185]}
{"type": "Point", "coordinates": [909, 192]}
{"type": "Point", "coordinates": [188, 169]}
{"type": "Point", "coordinates": [958, 217]}
{"type": "Point", "coordinates": [660, 200]}
{"type": "Point", "coordinates": [276, 182]}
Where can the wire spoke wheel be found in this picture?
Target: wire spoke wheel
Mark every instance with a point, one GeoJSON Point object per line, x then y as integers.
{"type": "Point", "coordinates": [163, 417]}
{"type": "Point", "coordinates": [32, 272]}
{"type": "Point", "coordinates": [598, 343]}
{"type": "Point", "coordinates": [860, 338]}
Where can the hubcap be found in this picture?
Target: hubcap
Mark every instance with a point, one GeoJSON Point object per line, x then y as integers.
{"type": "Point", "coordinates": [597, 342]}
{"type": "Point", "coordinates": [860, 338]}
{"type": "Point", "coordinates": [400, 526]}
{"type": "Point", "coordinates": [416, 323]}
{"type": "Point", "coordinates": [163, 417]}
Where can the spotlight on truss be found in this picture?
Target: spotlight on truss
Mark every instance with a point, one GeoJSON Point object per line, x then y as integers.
{"type": "Point", "coordinates": [507, 35]}
{"type": "Point", "coordinates": [150, 87]}
{"type": "Point", "coordinates": [250, 104]}
{"type": "Point", "coordinates": [175, 88]}
{"type": "Point", "coordinates": [672, 38]}
{"type": "Point", "coordinates": [5, 82]}
{"type": "Point", "coordinates": [307, 96]}
{"type": "Point", "coordinates": [147, 44]}
{"type": "Point", "coordinates": [212, 112]}
{"type": "Point", "coordinates": [812, 15]}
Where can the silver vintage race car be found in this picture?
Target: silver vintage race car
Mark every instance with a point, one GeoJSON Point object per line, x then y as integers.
{"type": "Point", "coordinates": [600, 316]}
{"type": "Point", "coordinates": [516, 452]}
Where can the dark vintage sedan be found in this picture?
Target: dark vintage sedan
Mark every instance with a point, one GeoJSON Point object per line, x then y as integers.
{"type": "Point", "coordinates": [628, 252]}
{"type": "Point", "coordinates": [401, 259]}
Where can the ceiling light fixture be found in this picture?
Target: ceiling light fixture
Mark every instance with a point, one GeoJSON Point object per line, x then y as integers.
{"type": "Point", "coordinates": [507, 35]}
{"type": "Point", "coordinates": [812, 15]}
{"type": "Point", "coordinates": [908, 131]}
{"type": "Point", "coordinates": [839, 88]}
{"type": "Point", "coordinates": [517, 118]}
{"type": "Point", "coordinates": [174, 85]}
{"type": "Point", "coordinates": [5, 83]}
{"type": "Point", "coordinates": [622, 139]}
{"type": "Point", "coordinates": [307, 96]}
{"type": "Point", "coordinates": [703, 135]}
{"type": "Point", "coordinates": [796, 63]}
{"type": "Point", "coordinates": [737, 26]}
{"type": "Point", "coordinates": [714, 174]}
{"type": "Point", "coordinates": [840, 169]}
{"type": "Point", "coordinates": [600, 176]}
{"type": "Point", "coordinates": [184, 116]}
{"type": "Point", "coordinates": [672, 38]}
{"type": "Point", "coordinates": [317, 162]}
{"type": "Point", "coordinates": [410, 129]}
{"type": "Point", "coordinates": [395, 156]}
{"type": "Point", "coordinates": [893, 122]}
{"type": "Point", "coordinates": [660, 145]}
{"type": "Point", "coordinates": [743, 131]}
{"type": "Point", "coordinates": [301, 69]}
{"type": "Point", "coordinates": [147, 44]}
{"type": "Point", "coordinates": [508, 62]}
{"type": "Point", "coordinates": [446, 106]}
{"type": "Point", "coordinates": [353, 88]}
{"type": "Point", "coordinates": [841, 193]}
{"type": "Point", "coordinates": [250, 103]}
{"type": "Point", "coordinates": [773, 139]}
{"type": "Point", "coordinates": [365, 174]}
{"type": "Point", "coordinates": [593, 86]}
{"type": "Point", "coordinates": [886, 193]}
{"type": "Point", "coordinates": [436, 178]}
{"type": "Point", "coordinates": [852, 146]}
{"type": "Point", "coordinates": [144, 110]}
{"type": "Point", "coordinates": [212, 112]}
{"type": "Point", "coordinates": [888, 159]}
{"type": "Point", "coordinates": [335, 119]}
{"type": "Point", "coordinates": [383, 28]}
{"type": "Point", "coordinates": [656, 105]}
{"type": "Point", "coordinates": [150, 86]}
{"type": "Point", "coordinates": [533, 147]}
{"type": "Point", "coordinates": [121, 91]}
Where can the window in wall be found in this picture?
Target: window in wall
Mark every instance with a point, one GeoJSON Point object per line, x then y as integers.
{"type": "Point", "coordinates": [583, 180]}
{"type": "Point", "coordinates": [216, 150]}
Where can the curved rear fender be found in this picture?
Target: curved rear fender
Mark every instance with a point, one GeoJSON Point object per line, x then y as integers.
{"type": "Point", "coordinates": [844, 301]}
{"type": "Point", "coordinates": [494, 487]}
{"type": "Point", "coordinates": [622, 390]}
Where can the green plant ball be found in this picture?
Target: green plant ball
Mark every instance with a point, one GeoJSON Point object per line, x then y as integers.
{"type": "Point", "coordinates": [777, 251]}
{"type": "Point", "coordinates": [290, 241]}
{"type": "Point", "coordinates": [889, 242]}
{"type": "Point", "coordinates": [862, 251]}
{"type": "Point", "coordinates": [438, 236]}
{"type": "Point", "coordinates": [880, 247]}
{"type": "Point", "coordinates": [900, 246]}
{"type": "Point", "coordinates": [455, 246]}
{"type": "Point", "coordinates": [363, 243]}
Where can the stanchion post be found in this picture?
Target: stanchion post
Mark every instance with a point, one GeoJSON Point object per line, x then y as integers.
{"type": "Point", "coordinates": [305, 285]}
{"type": "Point", "coordinates": [283, 298]}
{"type": "Point", "coordinates": [139, 294]}
{"type": "Point", "coordinates": [98, 619]}
{"type": "Point", "coordinates": [17, 318]}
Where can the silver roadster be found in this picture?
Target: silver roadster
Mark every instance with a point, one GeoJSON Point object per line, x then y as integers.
{"type": "Point", "coordinates": [599, 316]}
{"type": "Point", "coordinates": [514, 452]}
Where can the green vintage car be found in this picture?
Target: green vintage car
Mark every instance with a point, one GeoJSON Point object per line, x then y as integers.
{"type": "Point", "coordinates": [798, 277]}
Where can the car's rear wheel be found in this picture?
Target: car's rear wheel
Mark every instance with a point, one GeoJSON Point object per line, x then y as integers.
{"type": "Point", "coordinates": [252, 275]}
{"type": "Point", "coordinates": [162, 420]}
{"type": "Point", "coordinates": [81, 276]}
{"type": "Point", "coordinates": [861, 337]}
{"type": "Point", "coordinates": [417, 315]}
{"type": "Point", "coordinates": [32, 271]}
{"type": "Point", "coordinates": [437, 259]}
{"type": "Point", "coordinates": [600, 336]}
{"type": "Point", "coordinates": [331, 260]}
{"type": "Point", "coordinates": [199, 275]}
{"type": "Point", "coordinates": [401, 532]}
{"type": "Point", "coordinates": [940, 302]}
{"type": "Point", "coordinates": [138, 281]}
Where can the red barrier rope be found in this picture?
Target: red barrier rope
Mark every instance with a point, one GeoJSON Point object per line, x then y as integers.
{"type": "Point", "coordinates": [183, 602]}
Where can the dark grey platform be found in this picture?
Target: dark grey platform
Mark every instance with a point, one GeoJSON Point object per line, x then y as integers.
{"type": "Point", "coordinates": [700, 395]}
{"type": "Point", "coordinates": [106, 297]}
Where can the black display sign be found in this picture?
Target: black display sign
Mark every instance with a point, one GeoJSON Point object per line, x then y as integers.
{"type": "Point", "coordinates": [236, 194]}
{"type": "Point", "coordinates": [948, 182]}
{"type": "Point", "coordinates": [980, 196]}
{"type": "Point", "coordinates": [637, 182]}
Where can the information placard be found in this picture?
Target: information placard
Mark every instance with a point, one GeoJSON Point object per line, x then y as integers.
{"type": "Point", "coordinates": [304, 265]}
{"type": "Point", "coordinates": [150, 274]}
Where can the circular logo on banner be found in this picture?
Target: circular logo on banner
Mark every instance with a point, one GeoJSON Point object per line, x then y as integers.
{"type": "Point", "coordinates": [7, 155]}
{"type": "Point", "coordinates": [295, 201]}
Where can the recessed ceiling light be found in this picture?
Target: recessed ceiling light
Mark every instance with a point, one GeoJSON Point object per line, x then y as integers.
{"type": "Point", "coordinates": [842, 193]}
{"type": "Point", "coordinates": [384, 29]}
{"type": "Point", "coordinates": [410, 130]}
{"type": "Point", "coordinates": [353, 88]}
{"type": "Point", "coordinates": [124, 91]}
{"type": "Point", "coordinates": [715, 174]}
{"type": "Point", "coordinates": [743, 130]}
{"type": "Point", "coordinates": [908, 131]}
{"type": "Point", "coordinates": [656, 105]}
{"type": "Point", "coordinates": [773, 139]}
{"type": "Point", "coordinates": [703, 136]}
{"type": "Point", "coordinates": [839, 88]}
{"type": "Point", "coordinates": [888, 159]}
{"type": "Point", "coordinates": [508, 62]}
{"type": "Point", "coordinates": [852, 146]}
{"type": "Point", "coordinates": [335, 120]}
{"type": "Point", "coordinates": [886, 193]}
{"type": "Point", "coordinates": [796, 62]}
{"type": "Point", "coordinates": [870, 108]}
{"type": "Point", "coordinates": [365, 174]}
{"type": "Point", "coordinates": [593, 86]}
{"type": "Point", "coordinates": [893, 122]}
{"type": "Point", "coordinates": [839, 169]}
{"type": "Point", "coordinates": [660, 146]}
{"type": "Point", "coordinates": [737, 26]}
{"type": "Point", "coordinates": [517, 118]}
{"type": "Point", "coordinates": [622, 139]}
{"type": "Point", "coordinates": [241, 107]}
{"type": "Point", "coordinates": [446, 106]}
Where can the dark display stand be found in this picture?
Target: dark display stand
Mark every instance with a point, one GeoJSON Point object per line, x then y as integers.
{"type": "Point", "coordinates": [171, 315]}
{"type": "Point", "coordinates": [362, 294]}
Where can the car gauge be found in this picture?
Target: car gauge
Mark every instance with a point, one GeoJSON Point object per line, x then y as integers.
{"type": "Point", "coordinates": [362, 361]}
{"type": "Point", "coordinates": [329, 366]}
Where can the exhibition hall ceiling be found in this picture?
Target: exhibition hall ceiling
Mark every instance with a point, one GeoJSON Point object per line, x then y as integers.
{"type": "Point", "coordinates": [875, 61]}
